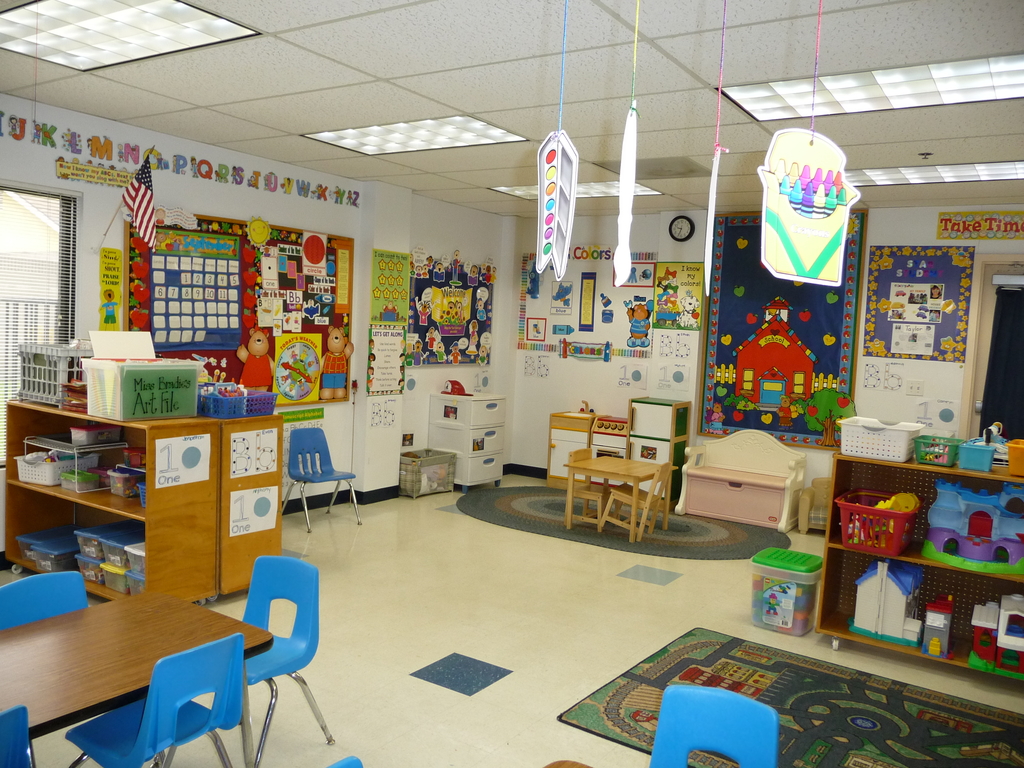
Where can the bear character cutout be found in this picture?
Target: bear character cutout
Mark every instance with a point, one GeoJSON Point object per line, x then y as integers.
{"type": "Point", "coordinates": [334, 377]}
{"type": "Point", "coordinates": [639, 324]}
{"type": "Point", "coordinates": [257, 374]}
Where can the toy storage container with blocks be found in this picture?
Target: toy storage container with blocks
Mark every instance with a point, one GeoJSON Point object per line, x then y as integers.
{"type": "Point", "coordinates": [46, 368]}
{"type": "Point", "coordinates": [785, 592]}
{"type": "Point", "coordinates": [874, 439]}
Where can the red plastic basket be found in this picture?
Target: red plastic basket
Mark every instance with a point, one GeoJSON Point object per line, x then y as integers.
{"type": "Point", "coordinates": [869, 529]}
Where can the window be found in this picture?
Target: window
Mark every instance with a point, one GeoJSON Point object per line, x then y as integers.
{"type": "Point", "coordinates": [799, 379]}
{"type": "Point", "coordinates": [748, 379]}
{"type": "Point", "coordinates": [37, 278]}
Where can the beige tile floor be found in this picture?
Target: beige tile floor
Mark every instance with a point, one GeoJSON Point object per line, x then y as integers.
{"type": "Point", "coordinates": [415, 583]}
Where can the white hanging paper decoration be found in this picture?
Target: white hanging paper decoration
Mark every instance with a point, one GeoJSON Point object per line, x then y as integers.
{"type": "Point", "coordinates": [621, 260]}
{"type": "Point", "coordinates": [709, 230]}
{"type": "Point", "coordinates": [557, 171]}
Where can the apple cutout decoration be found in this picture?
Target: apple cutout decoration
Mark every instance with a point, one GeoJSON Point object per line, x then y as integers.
{"type": "Point", "coordinates": [140, 269]}
{"type": "Point", "coordinates": [751, 318]}
{"type": "Point", "coordinates": [742, 243]}
{"type": "Point", "coordinates": [831, 297]}
{"type": "Point", "coordinates": [766, 418]}
{"type": "Point", "coordinates": [739, 290]}
{"type": "Point", "coordinates": [842, 402]}
{"type": "Point", "coordinates": [812, 410]}
{"type": "Point", "coordinates": [140, 292]}
{"type": "Point", "coordinates": [721, 391]}
{"type": "Point", "coordinates": [805, 315]}
{"type": "Point", "coordinates": [737, 415]}
{"type": "Point", "coordinates": [829, 339]}
{"type": "Point", "coordinates": [140, 319]}
{"type": "Point", "coordinates": [727, 339]}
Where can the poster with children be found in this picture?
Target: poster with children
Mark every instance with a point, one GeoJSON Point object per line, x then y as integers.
{"type": "Point", "coordinates": [918, 301]}
{"type": "Point", "coordinates": [678, 296]}
{"type": "Point", "coordinates": [450, 310]}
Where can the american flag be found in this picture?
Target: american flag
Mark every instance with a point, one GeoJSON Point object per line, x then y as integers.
{"type": "Point", "coordinates": [138, 197]}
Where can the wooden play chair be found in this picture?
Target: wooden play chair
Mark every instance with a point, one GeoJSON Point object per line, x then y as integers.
{"type": "Point", "coordinates": [656, 497]}
{"type": "Point", "coordinates": [584, 489]}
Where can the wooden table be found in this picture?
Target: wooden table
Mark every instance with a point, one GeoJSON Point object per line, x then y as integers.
{"type": "Point", "coordinates": [72, 667]}
{"type": "Point", "coordinates": [609, 468]}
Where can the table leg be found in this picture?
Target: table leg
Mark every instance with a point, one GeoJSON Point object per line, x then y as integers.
{"type": "Point", "coordinates": [632, 511]}
{"type": "Point", "coordinates": [248, 752]}
{"type": "Point", "coordinates": [568, 498]}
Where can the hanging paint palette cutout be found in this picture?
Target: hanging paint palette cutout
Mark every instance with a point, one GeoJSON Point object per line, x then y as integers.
{"type": "Point", "coordinates": [557, 171]}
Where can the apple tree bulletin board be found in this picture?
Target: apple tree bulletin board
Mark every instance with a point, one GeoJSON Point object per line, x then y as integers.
{"type": "Point", "coordinates": [259, 304]}
{"type": "Point", "coordinates": [779, 354]}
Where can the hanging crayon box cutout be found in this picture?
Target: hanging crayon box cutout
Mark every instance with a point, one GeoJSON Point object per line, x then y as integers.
{"type": "Point", "coordinates": [806, 208]}
{"type": "Point", "coordinates": [557, 171]}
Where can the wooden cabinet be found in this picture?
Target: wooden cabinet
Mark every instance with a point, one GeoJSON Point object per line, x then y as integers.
{"type": "Point", "coordinates": [657, 432]}
{"type": "Point", "coordinates": [567, 432]}
{"type": "Point", "coordinates": [473, 427]}
{"type": "Point", "coordinates": [189, 552]}
{"type": "Point", "coordinates": [843, 566]}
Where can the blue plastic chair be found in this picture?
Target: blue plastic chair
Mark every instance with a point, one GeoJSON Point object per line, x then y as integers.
{"type": "Point", "coordinates": [15, 748]}
{"type": "Point", "coordinates": [348, 762]}
{"type": "Point", "coordinates": [42, 596]}
{"type": "Point", "coordinates": [714, 720]}
{"type": "Point", "coordinates": [284, 578]}
{"type": "Point", "coordinates": [168, 717]}
{"type": "Point", "coordinates": [309, 461]}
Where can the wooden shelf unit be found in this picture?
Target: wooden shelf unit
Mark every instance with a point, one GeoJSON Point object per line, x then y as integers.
{"type": "Point", "coordinates": [842, 566]}
{"type": "Point", "coordinates": [181, 521]}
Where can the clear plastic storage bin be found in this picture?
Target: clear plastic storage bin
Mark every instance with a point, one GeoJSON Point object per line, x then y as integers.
{"type": "Point", "coordinates": [136, 582]}
{"type": "Point", "coordinates": [89, 538]}
{"type": "Point", "coordinates": [114, 547]}
{"type": "Point", "coordinates": [95, 434]}
{"type": "Point", "coordinates": [90, 568]}
{"type": "Point", "coordinates": [27, 540]}
{"type": "Point", "coordinates": [137, 557]}
{"type": "Point", "coordinates": [56, 554]}
{"type": "Point", "coordinates": [785, 590]}
{"type": "Point", "coordinates": [115, 577]}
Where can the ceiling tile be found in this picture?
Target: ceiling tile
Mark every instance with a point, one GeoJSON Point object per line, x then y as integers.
{"type": "Point", "coordinates": [982, 149]}
{"type": "Point", "coordinates": [284, 69]}
{"type": "Point", "coordinates": [427, 181]}
{"type": "Point", "coordinates": [512, 155]}
{"type": "Point", "coordinates": [591, 75]}
{"type": "Point", "coordinates": [97, 96]}
{"type": "Point", "coordinates": [290, 149]}
{"type": "Point", "coordinates": [676, 143]}
{"type": "Point", "coordinates": [465, 195]}
{"type": "Point", "coordinates": [971, 193]}
{"type": "Point", "coordinates": [275, 16]}
{"type": "Point", "coordinates": [354, 106]}
{"type": "Point", "coordinates": [204, 125]}
{"type": "Point", "coordinates": [510, 207]}
{"type": "Point", "coordinates": [450, 34]}
{"type": "Point", "coordinates": [359, 167]}
{"type": "Point", "coordinates": [20, 71]}
{"type": "Point", "coordinates": [497, 177]}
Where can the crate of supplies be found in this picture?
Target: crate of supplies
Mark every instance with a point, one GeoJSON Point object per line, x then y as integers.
{"type": "Point", "coordinates": [931, 449]}
{"type": "Point", "coordinates": [89, 538]}
{"type": "Point", "coordinates": [428, 471]}
{"type": "Point", "coordinates": [80, 481]}
{"type": "Point", "coordinates": [867, 527]}
{"type": "Point", "coordinates": [36, 470]}
{"type": "Point", "coordinates": [134, 456]}
{"type": "Point", "coordinates": [115, 577]}
{"type": "Point", "coordinates": [130, 390]}
{"type": "Point", "coordinates": [27, 540]}
{"type": "Point", "coordinates": [90, 568]}
{"type": "Point", "coordinates": [124, 481]}
{"type": "Point", "coordinates": [874, 439]}
{"type": "Point", "coordinates": [46, 368]}
{"type": "Point", "coordinates": [56, 554]}
{"type": "Point", "coordinates": [95, 434]}
{"type": "Point", "coordinates": [229, 401]}
{"type": "Point", "coordinates": [785, 589]}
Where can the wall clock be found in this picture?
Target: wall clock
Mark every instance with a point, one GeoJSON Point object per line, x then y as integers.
{"type": "Point", "coordinates": [681, 228]}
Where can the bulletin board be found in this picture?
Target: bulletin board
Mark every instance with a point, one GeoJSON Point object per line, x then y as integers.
{"type": "Point", "coordinates": [584, 315]}
{"type": "Point", "coordinates": [450, 310]}
{"type": "Point", "coordinates": [779, 354]}
{"type": "Point", "coordinates": [261, 305]}
{"type": "Point", "coordinates": [918, 300]}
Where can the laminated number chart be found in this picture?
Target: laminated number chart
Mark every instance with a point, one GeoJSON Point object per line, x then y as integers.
{"type": "Point", "coordinates": [196, 289]}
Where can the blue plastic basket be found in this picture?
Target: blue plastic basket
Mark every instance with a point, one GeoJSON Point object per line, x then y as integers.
{"type": "Point", "coordinates": [142, 494]}
{"type": "Point", "coordinates": [215, 405]}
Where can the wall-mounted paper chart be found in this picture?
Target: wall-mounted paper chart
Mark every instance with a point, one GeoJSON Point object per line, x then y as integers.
{"type": "Point", "coordinates": [253, 453]}
{"type": "Point", "coordinates": [253, 510]}
{"type": "Point", "coordinates": [182, 460]}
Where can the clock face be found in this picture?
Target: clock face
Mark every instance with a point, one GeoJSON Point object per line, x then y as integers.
{"type": "Point", "coordinates": [681, 228]}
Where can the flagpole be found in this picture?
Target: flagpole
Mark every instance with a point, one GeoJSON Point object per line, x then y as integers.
{"type": "Point", "coordinates": [112, 218]}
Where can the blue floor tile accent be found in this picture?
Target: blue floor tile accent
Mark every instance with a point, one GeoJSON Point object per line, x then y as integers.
{"type": "Point", "coordinates": [451, 508]}
{"type": "Point", "coordinates": [461, 673]}
{"type": "Point", "coordinates": [650, 575]}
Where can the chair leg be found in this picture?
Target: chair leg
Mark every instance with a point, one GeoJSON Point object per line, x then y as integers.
{"type": "Point", "coordinates": [79, 760]}
{"type": "Point", "coordinates": [305, 507]}
{"type": "Point", "coordinates": [312, 705]}
{"type": "Point", "coordinates": [266, 723]}
{"type": "Point", "coordinates": [288, 494]}
{"type": "Point", "coordinates": [355, 505]}
{"type": "Point", "coordinates": [334, 495]}
{"type": "Point", "coordinates": [165, 761]}
{"type": "Point", "coordinates": [603, 517]}
{"type": "Point", "coordinates": [221, 752]}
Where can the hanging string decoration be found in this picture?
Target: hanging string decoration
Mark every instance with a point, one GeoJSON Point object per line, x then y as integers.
{"type": "Point", "coordinates": [558, 165]}
{"type": "Point", "coordinates": [805, 213]}
{"type": "Point", "coordinates": [621, 259]}
{"type": "Point", "coordinates": [709, 228]}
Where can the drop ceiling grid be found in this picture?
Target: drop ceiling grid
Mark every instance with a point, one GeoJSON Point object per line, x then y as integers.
{"type": "Point", "coordinates": [204, 125]}
{"type": "Point", "coordinates": [277, 16]}
{"type": "Point", "coordinates": [97, 96]}
{"type": "Point", "coordinates": [290, 149]}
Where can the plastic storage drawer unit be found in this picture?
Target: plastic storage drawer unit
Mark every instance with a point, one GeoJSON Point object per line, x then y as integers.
{"type": "Point", "coordinates": [785, 590]}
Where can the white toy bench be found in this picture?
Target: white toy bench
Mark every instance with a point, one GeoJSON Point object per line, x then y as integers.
{"type": "Point", "coordinates": [747, 477]}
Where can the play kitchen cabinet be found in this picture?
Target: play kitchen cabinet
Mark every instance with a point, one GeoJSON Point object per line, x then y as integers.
{"type": "Point", "coordinates": [473, 427]}
{"type": "Point", "coordinates": [567, 432]}
{"type": "Point", "coordinates": [844, 565]}
{"type": "Point", "coordinates": [657, 432]}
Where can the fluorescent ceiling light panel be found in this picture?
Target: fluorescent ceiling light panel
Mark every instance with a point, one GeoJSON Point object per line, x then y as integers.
{"type": "Point", "coordinates": [457, 131]}
{"type": "Point", "coordinates": [590, 189]}
{"type": "Point", "coordinates": [86, 34]}
{"type": "Point", "coordinates": [937, 174]}
{"type": "Point", "coordinates": [957, 82]}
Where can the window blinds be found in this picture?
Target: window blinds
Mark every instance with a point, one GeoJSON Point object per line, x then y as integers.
{"type": "Point", "coordinates": [38, 234]}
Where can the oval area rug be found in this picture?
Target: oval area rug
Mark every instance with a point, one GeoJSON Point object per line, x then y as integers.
{"type": "Point", "coordinates": [539, 509]}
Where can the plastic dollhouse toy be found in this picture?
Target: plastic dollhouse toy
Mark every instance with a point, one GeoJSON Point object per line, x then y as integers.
{"type": "Point", "coordinates": [887, 597]}
{"type": "Point", "coordinates": [976, 530]}
{"type": "Point", "coordinates": [999, 637]}
{"type": "Point", "coordinates": [938, 619]}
